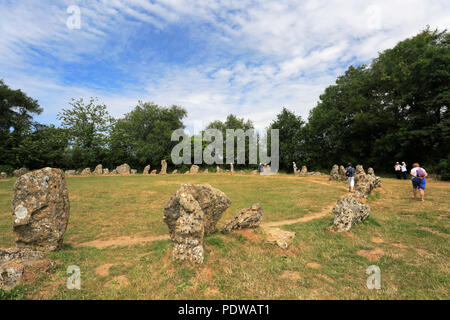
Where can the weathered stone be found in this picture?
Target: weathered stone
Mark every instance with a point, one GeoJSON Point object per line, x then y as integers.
{"type": "Point", "coordinates": [123, 169]}
{"type": "Point", "coordinates": [187, 172]}
{"type": "Point", "coordinates": [194, 169]}
{"type": "Point", "coordinates": [133, 171]}
{"type": "Point", "coordinates": [342, 175]}
{"type": "Point", "coordinates": [365, 183]}
{"type": "Point", "coordinates": [153, 172]}
{"type": "Point", "coordinates": [303, 172]}
{"type": "Point", "coordinates": [105, 171]}
{"type": "Point", "coordinates": [163, 167]}
{"type": "Point", "coordinates": [40, 209]}
{"type": "Point", "coordinates": [245, 219]}
{"type": "Point", "coordinates": [98, 169]}
{"type": "Point", "coordinates": [191, 211]}
{"type": "Point", "coordinates": [254, 172]}
{"type": "Point", "coordinates": [175, 171]}
{"type": "Point", "coordinates": [146, 170]}
{"type": "Point", "coordinates": [18, 266]}
{"type": "Point", "coordinates": [114, 171]}
{"type": "Point", "coordinates": [359, 170]}
{"type": "Point", "coordinates": [314, 173]}
{"type": "Point", "coordinates": [377, 183]}
{"type": "Point", "coordinates": [281, 238]}
{"type": "Point", "coordinates": [334, 174]}
{"type": "Point", "coordinates": [70, 172]}
{"type": "Point", "coordinates": [86, 171]}
{"type": "Point", "coordinates": [349, 211]}
{"type": "Point", "coordinates": [294, 167]}
{"type": "Point", "coordinates": [3, 175]}
{"type": "Point", "coordinates": [218, 170]}
{"type": "Point", "coordinates": [371, 172]}
{"type": "Point", "coordinates": [20, 172]}
{"type": "Point", "coordinates": [206, 171]}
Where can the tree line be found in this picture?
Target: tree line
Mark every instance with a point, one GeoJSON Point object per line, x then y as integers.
{"type": "Point", "coordinates": [395, 109]}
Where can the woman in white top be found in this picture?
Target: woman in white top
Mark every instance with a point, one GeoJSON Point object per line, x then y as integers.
{"type": "Point", "coordinates": [419, 180]}
{"type": "Point", "coordinates": [404, 171]}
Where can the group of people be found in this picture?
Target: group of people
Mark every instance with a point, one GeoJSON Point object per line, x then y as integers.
{"type": "Point", "coordinates": [401, 170]}
{"type": "Point", "coordinates": [418, 174]}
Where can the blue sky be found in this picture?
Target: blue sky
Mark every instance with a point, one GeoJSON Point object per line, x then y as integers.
{"type": "Point", "coordinates": [212, 57]}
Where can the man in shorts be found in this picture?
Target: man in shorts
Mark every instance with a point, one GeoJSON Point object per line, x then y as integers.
{"type": "Point", "coordinates": [418, 180]}
{"type": "Point", "coordinates": [350, 173]}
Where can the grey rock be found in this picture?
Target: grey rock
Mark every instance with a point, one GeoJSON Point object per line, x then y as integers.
{"type": "Point", "coordinates": [348, 211]}
{"type": "Point", "coordinates": [98, 169]}
{"type": "Point", "coordinates": [20, 172]}
{"type": "Point", "coordinates": [123, 169]}
{"type": "Point", "coordinates": [245, 219]}
{"type": "Point", "coordinates": [146, 170]}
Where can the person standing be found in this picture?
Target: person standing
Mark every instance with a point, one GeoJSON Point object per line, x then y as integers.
{"type": "Point", "coordinates": [418, 180]}
{"type": "Point", "coordinates": [404, 171]}
{"type": "Point", "coordinates": [350, 174]}
{"type": "Point", "coordinates": [398, 170]}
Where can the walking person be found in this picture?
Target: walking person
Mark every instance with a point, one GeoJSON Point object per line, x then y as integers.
{"type": "Point", "coordinates": [398, 170]}
{"type": "Point", "coordinates": [418, 180]}
{"type": "Point", "coordinates": [350, 174]}
{"type": "Point", "coordinates": [404, 171]}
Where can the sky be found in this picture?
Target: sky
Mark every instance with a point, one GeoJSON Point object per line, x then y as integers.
{"type": "Point", "coordinates": [249, 58]}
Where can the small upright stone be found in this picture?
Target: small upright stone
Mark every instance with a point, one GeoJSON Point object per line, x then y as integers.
{"type": "Point", "coordinates": [371, 172]}
{"type": "Point", "coordinates": [334, 174]}
{"type": "Point", "coordinates": [218, 170]}
{"type": "Point", "coordinates": [70, 173]}
{"type": "Point", "coordinates": [245, 219]}
{"type": "Point", "coordinates": [98, 169]}
{"type": "Point", "coordinates": [153, 172]}
{"type": "Point", "coordinates": [86, 172]}
{"type": "Point", "coordinates": [304, 171]}
{"type": "Point", "coordinates": [175, 171]}
{"type": "Point", "coordinates": [194, 169]}
{"type": "Point", "coordinates": [20, 172]}
{"type": "Point", "coordinates": [106, 171]}
{"type": "Point", "coordinates": [3, 175]}
{"type": "Point", "coordinates": [342, 175]}
{"type": "Point", "coordinates": [114, 171]}
{"type": "Point", "coordinates": [349, 211]}
{"type": "Point", "coordinates": [40, 209]}
{"type": "Point", "coordinates": [294, 167]}
{"type": "Point", "coordinates": [163, 167]}
{"type": "Point", "coordinates": [133, 171]}
{"type": "Point", "coordinates": [206, 171]}
{"type": "Point", "coordinates": [123, 169]}
{"type": "Point", "coordinates": [146, 170]}
{"type": "Point", "coordinates": [254, 172]}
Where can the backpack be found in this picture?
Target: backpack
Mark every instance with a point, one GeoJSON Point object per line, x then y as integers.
{"type": "Point", "coordinates": [420, 173]}
{"type": "Point", "coordinates": [349, 172]}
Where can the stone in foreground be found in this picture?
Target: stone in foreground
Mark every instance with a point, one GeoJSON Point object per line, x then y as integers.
{"type": "Point", "coordinates": [349, 211]}
{"type": "Point", "coordinates": [18, 265]}
{"type": "Point", "coordinates": [245, 219]}
{"type": "Point", "coordinates": [123, 169]}
{"type": "Point", "coordinates": [40, 209]}
{"type": "Point", "coordinates": [281, 238]}
{"type": "Point", "coordinates": [189, 213]}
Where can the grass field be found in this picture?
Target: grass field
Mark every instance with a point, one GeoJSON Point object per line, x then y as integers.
{"type": "Point", "coordinates": [118, 239]}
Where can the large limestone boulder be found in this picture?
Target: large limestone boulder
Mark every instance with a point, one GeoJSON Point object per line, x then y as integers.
{"type": "Point", "coordinates": [348, 211]}
{"type": "Point", "coordinates": [98, 169]}
{"type": "Point", "coordinates": [194, 169]}
{"type": "Point", "coordinates": [17, 266]}
{"type": "Point", "coordinates": [245, 219]}
{"type": "Point", "coordinates": [365, 183]}
{"type": "Point", "coordinates": [20, 172]}
{"type": "Point", "coordinates": [40, 209]}
{"type": "Point", "coordinates": [146, 170]}
{"type": "Point", "coordinates": [334, 174]}
{"type": "Point", "coordinates": [163, 167]}
{"type": "Point", "coordinates": [191, 211]}
{"type": "Point", "coordinates": [3, 175]}
{"type": "Point", "coordinates": [86, 172]}
{"type": "Point", "coordinates": [123, 169]}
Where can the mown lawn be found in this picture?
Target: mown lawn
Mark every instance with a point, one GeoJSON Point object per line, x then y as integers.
{"type": "Point", "coordinates": [407, 239]}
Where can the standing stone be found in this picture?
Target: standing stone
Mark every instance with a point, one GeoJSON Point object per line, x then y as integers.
{"type": "Point", "coordinates": [245, 219]}
{"type": "Point", "coordinates": [123, 169]}
{"type": "Point", "coordinates": [114, 171]}
{"type": "Point", "coordinates": [254, 172]}
{"type": "Point", "coordinates": [40, 209]}
{"type": "Point", "coordinates": [133, 171]}
{"type": "Point", "coordinates": [189, 213]}
{"type": "Point", "coordinates": [359, 170]}
{"type": "Point", "coordinates": [153, 172]}
{"type": "Point", "coordinates": [98, 169]}
{"type": "Point", "coordinates": [175, 171]}
{"type": "Point", "coordinates": [371, 172]}
{"type": "Point", "coordinates": [218, 170]}
{"type": "Point", "coordinates": [206, 171]}
{"type": "Point", "coordinates": [70, 173]}
{"type": "Point", "coordinates": [342, 175]}
{"type": "Point", "coordinates": [334, 174]}
{"type": "Point", "coordinates": [86, 172]}
{"type": "Point", "coordinates": [20, 172]}
{"type": "Point", "coordinates": [303, 172]}
{"type": "Point", "coordinates": [163, 167]}
{"type": "Point", "coordinates": [146, 170]}
{"type": "Point", "coordinates": [194, 169]}
{"type": "Point", "coordinates": [3, 175]}
{"type": "Point", "coordinates": [105, 171]}
{"type": "Point", "coordinates": [294, 166]}
{"type": "Point", "coordinates": [349, 211]}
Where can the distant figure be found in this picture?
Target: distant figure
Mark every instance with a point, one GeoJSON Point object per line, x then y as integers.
{"type": "Point", "coordinates": [418, 180]}
{"type": "Point", "coordinates": [404, 171]}
{"type": "Point", "coordinates": [260, 167]}
{"type": "Point", "coordinates": [231, 168]}
{"type": "Point", "coordinates": [350, 174]}
{"type": "Point", "coordinates": [398, 170]}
